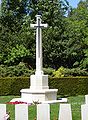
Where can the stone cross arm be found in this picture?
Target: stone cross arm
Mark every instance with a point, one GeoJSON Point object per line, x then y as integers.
{"type": "Point", "coordinates": [34, 26]}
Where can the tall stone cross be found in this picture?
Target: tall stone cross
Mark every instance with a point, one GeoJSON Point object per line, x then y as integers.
{"type": "Point", "coordinates": [38, 26]}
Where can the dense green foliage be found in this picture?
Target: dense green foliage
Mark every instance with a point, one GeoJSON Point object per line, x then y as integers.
{"type": "Point", "coordinates": [65, 41]}
{"type": "Point", "coordinates": [67, 86]}
{"type": "Point", "coordinates": [15, 71]}
{"type": "Point", "coordinates": [65, 72]}
{"type": "Point", "coordinates": [24, 70]}
{"type": "Point", "coordinates": [21, 70]}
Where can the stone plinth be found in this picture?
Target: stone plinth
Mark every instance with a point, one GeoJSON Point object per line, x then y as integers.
{"type": "Point", "coordinates": [39, 90]}
{"type": "Point", "coordinates": [38, 95]}
{"type": "Point", "coordinates": [39, 82]}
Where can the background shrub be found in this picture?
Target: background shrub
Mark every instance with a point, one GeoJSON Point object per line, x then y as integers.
{"type": "Point", "coordinates": [59, 73]}
{"type": "Point", "coordinates": [22, 69]}
{"type": "Point", "coordinates": [67, 86]}
{"type": "Point", "coordinates": [65, 72]}
{"type": "Point", "coordinates": [75, 72]}
{"type": "Point", "coordinates": [19, 70]}
{"type": "Point", "coordinates": [48, 71]}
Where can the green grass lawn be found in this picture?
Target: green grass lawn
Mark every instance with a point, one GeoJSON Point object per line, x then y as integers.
{"type": "Point", "coordinates": [75, 101]}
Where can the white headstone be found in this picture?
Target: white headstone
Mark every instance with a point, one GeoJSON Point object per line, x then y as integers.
{"type": "Point", "coordinates": [2, 111]}
{"type": "Point", "coordinates": [86, 99]}
{"type": "Point", "coordinates": [43, 112]}
{"type": "Point", "coordinates": [21, 112]}
{"type": "Point", "coordinates": [84, 112]}
{"type": "Point", "coordinates": [65, 112]}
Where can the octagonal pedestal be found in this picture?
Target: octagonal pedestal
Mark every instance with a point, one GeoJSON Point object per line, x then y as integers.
{"type": "Point", "coordinates": [39, 95]}
{"type": "Point", "coordinates": [39, 90]}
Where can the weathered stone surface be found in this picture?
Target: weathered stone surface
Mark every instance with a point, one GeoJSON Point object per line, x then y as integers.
{"type": "Point", "coordinates": [21, 112]}
{"type": "Point", "coordinates": [86, 99]}
{"type": "Point", "coordinates": [65, 112]}
{"type": "Point", "coordinates": [43, 112]}
{"type": "Point", "coordinates": [2, 111]}
{"type": "Point", "coordinates": [84, 112]}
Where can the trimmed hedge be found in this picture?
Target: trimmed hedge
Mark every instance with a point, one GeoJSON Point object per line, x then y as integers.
{"type": "Point", "coordinates": [67, 86]}
{"type": "Point", "coordinates": [13, 85]}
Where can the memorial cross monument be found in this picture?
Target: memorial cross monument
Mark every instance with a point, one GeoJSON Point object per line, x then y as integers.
{"type": "Point", "coordinates": [39, 89]}
{"type": "Point", "coordinates": [38, 26]}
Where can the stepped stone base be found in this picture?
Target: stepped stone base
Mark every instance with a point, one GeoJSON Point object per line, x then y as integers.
{"type": "Point", "coordinates": [39, 95]}
{"type": "Point", "coordinates": [39, 90]}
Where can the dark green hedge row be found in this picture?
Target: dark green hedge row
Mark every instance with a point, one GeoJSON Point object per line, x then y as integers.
{"type": "Point", "coordinates": [66, 86]}
{"type": "Point", "coordinates": [70, 86]}
{"type": "Point", "coordinates": [13, 85]}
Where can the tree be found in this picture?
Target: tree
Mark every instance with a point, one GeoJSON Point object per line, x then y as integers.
{"type": "Point", "coordinates": [11, 21]}
{"type": "Point", "coordinates": [17, 55]}
{"type": "Point", "coordinates": [16, 28]}
{"type": "Point", "coordinates": [76, 35]}
{"type": "Point", "coordinates": [53, 41]}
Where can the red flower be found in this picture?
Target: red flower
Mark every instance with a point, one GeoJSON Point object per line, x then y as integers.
{"type": "Point", "coordinates": [17, 102]}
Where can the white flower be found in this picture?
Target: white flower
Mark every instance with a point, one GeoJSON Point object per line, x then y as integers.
{"type": "Point", "coordinates": [6, 116]}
